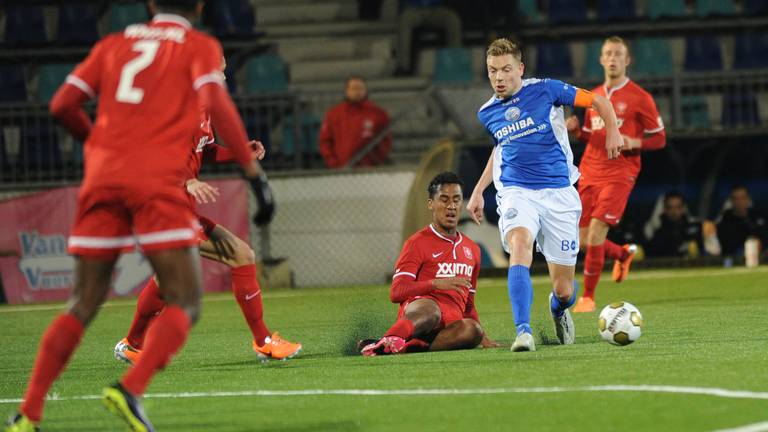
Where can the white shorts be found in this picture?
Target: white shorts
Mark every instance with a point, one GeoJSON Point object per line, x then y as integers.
{"type": "Point", "coordinates": [551, 215]}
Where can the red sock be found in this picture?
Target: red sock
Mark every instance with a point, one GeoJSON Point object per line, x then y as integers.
{"type": "Point", "coordinates": [593, 265]}
{"type": "Point", "coordinates": [402, 328]}
{"type": "Point", "coordinates": [165, 336]}
{"type": "Point", "coordinates": [614, 251]}
{"type": "Point", "coordinates": [247, 292]}
{"type": "Point", "coordinates": [56, 347]}
{"type": "Point", "coordinates": [149, 305]}
{"type": "Point", "coordinates": [416, 345]}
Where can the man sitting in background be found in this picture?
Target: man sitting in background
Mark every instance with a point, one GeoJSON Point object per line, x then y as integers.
{"type": "Point", "coordinates": [674, 232]}
{"type": "Point", "coordinates": [351, 125]}
{"type": "Point", "coordinates": [740, 222]}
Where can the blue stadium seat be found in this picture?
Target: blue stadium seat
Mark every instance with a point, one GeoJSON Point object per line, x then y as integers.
{"type": "Point", "coordinates": [125, 14]}
{"type": "Point", "coordinates": [651, 57]}
{"type": "Point", "coordinates": [754, 7]}
{"type": "Point", "coordinates": [25, 25]}
{"type": "Point", "coordinates": [310, 131]}
{"type": "Point", "coordinates": [453, 65]}
{"type": "Point", "coordinates": [695, 112]}
{"type": "Point", "coordinates": [39, 146]}
{"type": "Point", "coordinates": [567, 11]}
{"type": "Point", "coordinates": [751, 51]}
{"type": "Point", "coordinates": [266, 73]}
{"type": "Point", "coordinates": [665, 9]}
{"type": "Point", "coordinates": [51, 78]}
{"type": "Point", "coordinates": [233, 18]}
{"type": "Point", "coordinates": [592, 68]}
{"type": "Point", "coordinates": [553, 60]}
{"type": "Point", "coordinates": [529, 11]}
{"type": "Point", "coordinates": [13, 87]}
{"type": "Point", "coordinates": [740, 109]}
{"type": "Point", "coordinates": [78, 24]}
{"type": "Point", "coordinates": [702, 53]}
{"type": "Point", "coordinates": [705, 8]}
{"type": "Point", "coordinates": [615, 10]}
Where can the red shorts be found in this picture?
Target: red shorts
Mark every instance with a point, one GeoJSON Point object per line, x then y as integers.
{"type": "Point", "coordinates": [604, 202]}
{"type": "Point", "coordinates": [111, 220]}
{"type": "Point", "coordinates": [449, 312]}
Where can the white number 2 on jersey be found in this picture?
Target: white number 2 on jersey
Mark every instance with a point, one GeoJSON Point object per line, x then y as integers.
{"type": "Point", "coordinates": [126, 92]}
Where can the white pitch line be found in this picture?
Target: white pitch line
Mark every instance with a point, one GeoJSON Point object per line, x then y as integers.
{"type": "Point", "coordinates": [755, 427]}
{"type": "Point", "coordinates": [703, 391]}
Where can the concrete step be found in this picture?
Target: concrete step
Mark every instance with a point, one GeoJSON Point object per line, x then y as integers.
{"type": "Point", "coordinates": [338, 70]}
{"type": "Point", "coordinates": [374, 84]}
{"type": "Point", "coordinates": [317, 49]}
{"type": "Point", "coordinates": [303, 13]}
{"type": "Point", "coordinates": [340, 28]}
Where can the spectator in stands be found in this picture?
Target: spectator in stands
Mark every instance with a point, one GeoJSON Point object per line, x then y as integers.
{"type": "Point", "coordinates": [740, 222]}
{"type": "Point", "coordinates": [424, 13]}
{"type": "Point", "coordinates": [673, 232]}
{"type": "Point", "coordinates": [349, 127]}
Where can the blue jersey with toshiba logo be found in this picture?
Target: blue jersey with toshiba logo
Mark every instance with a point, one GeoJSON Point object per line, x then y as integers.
{"type": "Point", "coordinates": [532, 148]}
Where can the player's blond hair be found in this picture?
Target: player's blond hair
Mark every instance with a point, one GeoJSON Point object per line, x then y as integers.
{"type": "Point", "coordinates": [620, 40]}
{"type": "Point", "coordinates": [503, 46]}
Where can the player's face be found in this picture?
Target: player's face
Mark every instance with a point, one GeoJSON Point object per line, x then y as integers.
{"type": "Point", "coordinates": [614, 59]}
{"type": "Point", "coordinates": [505, 74]}
{"type": "Point", "coordinates": [446, 207]}
{"type": "Point", "coordinates": [355, 91]}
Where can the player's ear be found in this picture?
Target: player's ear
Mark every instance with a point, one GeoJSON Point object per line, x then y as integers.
{"type": "Point", "coordinates": [430, 204]}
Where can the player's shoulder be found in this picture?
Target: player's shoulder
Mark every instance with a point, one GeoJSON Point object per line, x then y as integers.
{"type": "Point", "coordinates": [468, 240]}
{"type": "Point", "coordinates": [490, 102]}
{"type": "Point", "coordinates": [635, 89]}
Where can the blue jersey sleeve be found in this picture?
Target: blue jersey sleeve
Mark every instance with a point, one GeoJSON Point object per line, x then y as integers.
{"type": "Point", "coordinates": [561, 93]}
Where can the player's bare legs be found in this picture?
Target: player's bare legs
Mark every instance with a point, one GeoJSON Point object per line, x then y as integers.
{"type": "Point", "coordinates": [562, 298]}
{"type": "Point", "coordinates": [424, 314]}
{"type": "Point", "coordinates": [60, 340]}
{"type": "Point", "coordinates": [463, 334]}
{"type": "Point", "coordinates": [520, 245]}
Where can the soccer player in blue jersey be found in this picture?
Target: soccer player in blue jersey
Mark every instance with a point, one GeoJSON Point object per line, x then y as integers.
{"type": "Point", "coordinates": [532, 168]}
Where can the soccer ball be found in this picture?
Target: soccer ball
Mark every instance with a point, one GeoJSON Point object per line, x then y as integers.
{"type": "Point", "coordinates": [620, 323]}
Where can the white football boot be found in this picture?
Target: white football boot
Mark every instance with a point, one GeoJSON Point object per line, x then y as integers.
{"type": "Point", "coordinates": [564, 327]}
{"type": "Point", "coordinates": [524, 342]}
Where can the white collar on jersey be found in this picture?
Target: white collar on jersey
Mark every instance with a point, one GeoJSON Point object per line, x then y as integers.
{"type": "Point", "coordinates": [172, 18]}
{"type": "Point", "coordinates": [609, 91]}
{"type": "Point", "coordinates": [455, 244]}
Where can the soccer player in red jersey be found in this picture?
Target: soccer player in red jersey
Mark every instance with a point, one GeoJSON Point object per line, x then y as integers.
{"type": "Point", "coordinates": [146, 77]}
{"type": "Point", "coordinates": [435, 283]}
{"type": "Point", "coordinates": [605, 185]}
{"type": "Point", "coordinates": [220, 245]}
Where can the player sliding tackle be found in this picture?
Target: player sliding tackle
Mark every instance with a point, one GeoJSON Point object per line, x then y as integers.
{"type": "Point", "coordinates": [220, 245]}
{"type": "Point", "coordinates": [435, 283]}
{"type": "Point", "coordinates": [532, 168]}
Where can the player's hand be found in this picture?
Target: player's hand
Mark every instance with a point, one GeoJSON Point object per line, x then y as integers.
{"type": "Point", "coordinates": [257, 149]}
{"type": "Point", "coordinates": [457, 284]}
{"type": "Point", "coordinates": [487, 343]}
{"type": "Point", "coordinates": [202, 191]}
{"type": "Point", "coordinates": [475, 207]}
{"type": "Point", "coordinates": [572, 124]}
{"type": "Point", "coordinates": [631, 143]}
{"type": "Point", "coordinates": [613, 144]}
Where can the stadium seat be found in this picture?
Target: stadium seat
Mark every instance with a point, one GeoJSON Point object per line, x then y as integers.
{"type": "Point", "coordinates": [567, 11]}
{"type": "Point", "coordinates": [51, 77]}
{"type": "Point", "coordinates": [310, 136]}
{"type": "Point", "coordinates": [233, 18]}
{"type": "Point", "coordinates": [266, 73]}
{"type": "Point", "coordinates": [615, 10]}
{"type": "Point", "coordinates": [453, 65]}
{"type": "Point", "coordinates": [78, 24]}
{"type": "Point", "coordinates": [13, 87]}
{"type": "Point", "coordinates": [751, 51]}
{"type": "Point", "coordinates": [593, 70]}
{"type": "Point", "coordinates": [39, 146]}
{"type": "Point", "coordinates": [529, 11]}
{"type": "Point", "coordinates": [25, 25]}
{"type": "Point", "coordinates": [651, 57]}
{"type": "Point", "coordinates": [705, 8]}
{"type": "Point", "coordinates": [695, 112]}
{"type": "Point", "coordinates": [553, 60]}
{"type": "Point", "coordinates": [740, 109]}
{"type": "Point", "coordinates": [702, 53]}
{"type": "Point", "coordinates": [754, 7]}
{"type": "Point", "coordinates": [122, 15]}
{"type": "Point", "coordinates": [665, 9]}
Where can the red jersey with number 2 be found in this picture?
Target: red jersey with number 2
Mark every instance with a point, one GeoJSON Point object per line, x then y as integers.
{"type": "Point", "coordinates": [637, 115]}
{"type": "Point", "coordinates": [146, 78]}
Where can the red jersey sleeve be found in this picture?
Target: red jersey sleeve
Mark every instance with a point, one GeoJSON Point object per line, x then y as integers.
{"type": "Point", "coordinates": [404, 284]}
{"type": "Point", "coordinates": [206, 64]}
{"type": "Point", "coordinates": [87, 75]}
{"type": "Point", "coordinates": [652, 124]}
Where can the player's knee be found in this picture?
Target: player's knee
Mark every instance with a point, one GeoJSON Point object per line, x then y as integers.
{"type": "Point", "coordinates": [83, 309]}
{"type": "Point", "coordinates": [244, 255]}
{"type": "Point", "coordinates": [563, 287]}
{"type": "Point", "coordinates": [473, 333]}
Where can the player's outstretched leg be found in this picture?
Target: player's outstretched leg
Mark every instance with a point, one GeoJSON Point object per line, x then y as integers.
{"type": "Point", "coordinates": [560, 300]}
{"type": "Point", "coordinates": [419, 318]}
{"type": "Point", "coordinates": [227, 248]}
{"type": "Point", "coordinates": [92, 277]}
{"type": "Point", "coordinates": [148, 306]}
{"type": "Point", "coordinates": [520, 287]}
{"type": "Point", "coordinates": [462, 334]}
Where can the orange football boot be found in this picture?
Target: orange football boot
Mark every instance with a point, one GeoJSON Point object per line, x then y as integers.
{"type": "Point", "coordinates": [277, 348]}
{"type": "Point", "coordinates": [125, 352]}
{"type": "Point", "coordinates": [585, 304]}
{"type": "Point", "coordinates": [621, 267]}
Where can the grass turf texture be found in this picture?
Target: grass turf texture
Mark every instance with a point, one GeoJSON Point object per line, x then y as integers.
{"type": "Point", "coordinates": [703, 328]}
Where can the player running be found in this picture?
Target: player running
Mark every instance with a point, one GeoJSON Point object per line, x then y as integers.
{"type": "Point", "coordinates": [532, 168]}
{"type": "Point", "coordinates": [220, 245]}
{"type": "Point", "coordinates": [605, 185]}
{"type": "Point", "coordinates": [435, 283]}
{"type": "Point", "coordinates": [146, 78]}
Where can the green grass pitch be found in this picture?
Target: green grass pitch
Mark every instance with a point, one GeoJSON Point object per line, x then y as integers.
{"type": "Point", "coordinates": [704, 329]}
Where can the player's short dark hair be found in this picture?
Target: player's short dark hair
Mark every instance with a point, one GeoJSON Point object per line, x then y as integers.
{"type": "Point", "coordinates": [504, 46]}
{"type": "Point", "coordinates": [673, 194]}
{"type": "Point", "coordinates": [441, 179]}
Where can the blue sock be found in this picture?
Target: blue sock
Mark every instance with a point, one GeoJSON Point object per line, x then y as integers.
{"type": "Point", "coordinates": [558, 307]}
{"type": "Point", "coordinates": [521, 296]}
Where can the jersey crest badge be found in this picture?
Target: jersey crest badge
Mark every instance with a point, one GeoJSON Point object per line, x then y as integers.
{"type": "Point", "coordinates": [512, 114]}
{"type": "Point", "coordinates": [468, 252]}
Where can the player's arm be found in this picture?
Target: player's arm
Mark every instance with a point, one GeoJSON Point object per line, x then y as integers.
{"type": "Point", "coordinates": [214, 153]}
{"type": "Point", "coordinates": [476, 202]}
{"type": "Point", "coordinates": [613, 139]}
{"type": "Point", "coordinates": [201, 191]}
{"type": "Point", "coordinates": [581, 133]}
{"type": "Point", "coordinates": [655, 137]}
{"type": "Point", "coordinates": [326, 142]}
{"type": "Point", "coordinates": [404, 283]}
